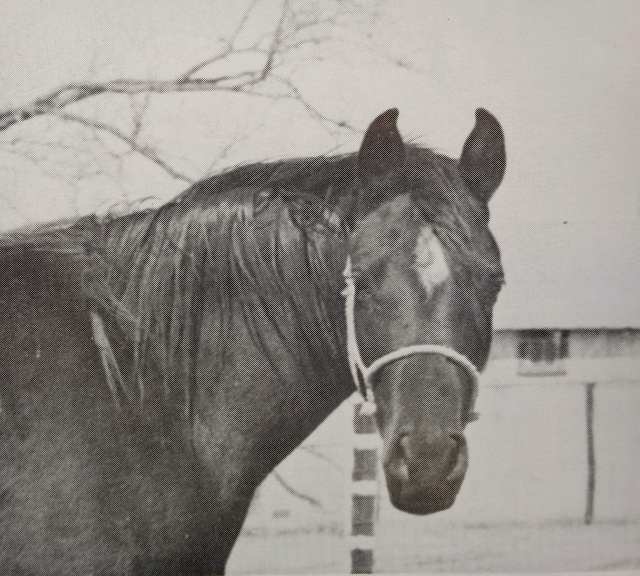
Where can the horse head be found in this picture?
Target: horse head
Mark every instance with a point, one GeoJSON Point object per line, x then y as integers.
{"type": "Point", "coordinates": [424, 272]}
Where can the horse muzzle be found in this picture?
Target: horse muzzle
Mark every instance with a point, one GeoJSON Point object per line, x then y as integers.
{"type": "Point", "coordinates": [424, 474]}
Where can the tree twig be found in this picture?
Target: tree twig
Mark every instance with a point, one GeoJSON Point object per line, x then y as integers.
{"type": "Point", "coordinates": [145, 151]}
{"type": "Point", "coordinates": [291, 490]}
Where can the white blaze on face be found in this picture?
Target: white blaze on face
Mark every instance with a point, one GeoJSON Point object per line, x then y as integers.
{"type": "Point", "coordinates": [430, 263]}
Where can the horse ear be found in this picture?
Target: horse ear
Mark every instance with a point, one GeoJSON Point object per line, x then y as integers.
{"type": "Point", "coordinates": [380, 161]}
{"type": "Point", "coordinates": [483, 159]}
{"type": "Point", "coordinates": [382, 150]}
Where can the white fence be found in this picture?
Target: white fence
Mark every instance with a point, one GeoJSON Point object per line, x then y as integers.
{"type": "Point", "coordinates": [528, 466]}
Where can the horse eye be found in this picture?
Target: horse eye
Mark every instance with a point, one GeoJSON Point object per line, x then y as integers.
{"type": "Point", "coordinates": [363, 294]}
{"type": "Point", "coordinates": [472, 417]}
{"type": "Point", "coordinates": [490, 291]}
{"type": "Point", "coordinates": [490, 294]}
{"type": "Point", "coordinates": [363, 283]}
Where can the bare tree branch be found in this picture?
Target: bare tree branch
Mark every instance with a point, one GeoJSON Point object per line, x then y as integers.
{"type": "Point", "coordinates": [253, 82]}
{"type": "Point", "coordinates": [291, 490]}
{"type": "Point", "coordinates": [230, 46]}
{"type": "Point", "coordinates": [275, 44]}
{"type": "Point", "coordinates": [255, 64]}
{"type": "Point", "coordinates": [145, 151]}
{"type": "Point", "coordinates": [319, 454]}
{"type": "Point", "coordinates": [72, 93]}
{"type": "Point", "coordinates": [138, 112]}
{"type": "Point", "coordinates": [295, 94]}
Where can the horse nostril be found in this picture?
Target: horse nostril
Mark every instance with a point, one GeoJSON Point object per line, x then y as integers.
{"type": "Point", "coordinates": [398, 464]}
{"type": "Point", "coordinates": [404, 445]}
{"type": "Point", "coordinates": [444, 456]}
{"type": "Point", "coordinates": [457, 441]}
{"type": "Point", "coordinates": [458, 456]}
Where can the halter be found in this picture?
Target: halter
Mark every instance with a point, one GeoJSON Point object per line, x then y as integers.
{"type": "Point", "coordinates": [358, 367]}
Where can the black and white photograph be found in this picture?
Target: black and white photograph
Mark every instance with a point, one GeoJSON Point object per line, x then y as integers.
{"type": "Point", "coordinates": [319, 287]}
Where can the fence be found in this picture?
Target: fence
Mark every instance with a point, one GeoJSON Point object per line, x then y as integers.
{"type": "Point", "coordinates": [529, 466]}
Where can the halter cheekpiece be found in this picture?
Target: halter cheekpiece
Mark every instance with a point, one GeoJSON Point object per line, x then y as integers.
{"type": "Point", "coordinates": [363, 375]}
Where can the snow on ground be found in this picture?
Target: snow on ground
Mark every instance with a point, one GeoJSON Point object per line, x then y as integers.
{"type": "Point", "coordinates": [520, 509]}
{"type": "Point", "coordinates": [400, 548]}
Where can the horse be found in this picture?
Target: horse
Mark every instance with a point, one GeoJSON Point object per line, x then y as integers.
{"type": "Point", "coordinates": [155, 367]}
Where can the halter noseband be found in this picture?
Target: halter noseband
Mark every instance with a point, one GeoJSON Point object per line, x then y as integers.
{"type": "Point", "coordinates": [358, 367]}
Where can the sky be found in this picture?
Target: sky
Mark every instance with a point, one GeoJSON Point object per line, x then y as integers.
{"type": "Point", "coordinates": [562, 77]}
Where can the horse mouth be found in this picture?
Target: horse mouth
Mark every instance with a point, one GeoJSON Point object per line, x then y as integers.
{"type": "Point", "coordinates": [426, 486]}
{"type": "Point", "coordinates": [420, 501]}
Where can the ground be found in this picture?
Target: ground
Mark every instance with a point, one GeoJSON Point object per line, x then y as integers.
{"type": "Point", "coordinates": [520, 509]}
{"type": "Point", "coordinates": [544, 547]}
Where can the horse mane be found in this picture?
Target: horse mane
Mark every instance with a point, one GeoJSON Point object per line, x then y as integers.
{"type": "Point", "coordinates": [264, 242]}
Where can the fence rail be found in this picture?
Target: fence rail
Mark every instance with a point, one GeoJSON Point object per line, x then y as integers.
{"type": "Point", "coordinates": [534, 457]}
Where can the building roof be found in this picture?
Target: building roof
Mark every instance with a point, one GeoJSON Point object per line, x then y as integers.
{"type": "Point", "coordinates": [574, 275]}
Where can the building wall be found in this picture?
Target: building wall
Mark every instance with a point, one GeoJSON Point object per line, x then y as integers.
{"type": "Point", "coordinates": [602, 343]}
{"type": "Point", "coordinates": [605, 343]}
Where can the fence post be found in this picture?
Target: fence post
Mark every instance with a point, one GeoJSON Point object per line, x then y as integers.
{"type": "Point", "coordinates": [364, 491]}
{"type": "Point", "coordinates": [591, 454]}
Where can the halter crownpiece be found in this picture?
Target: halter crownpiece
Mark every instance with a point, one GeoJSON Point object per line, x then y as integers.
{"type": "Point", "coordinates": [358, 367]}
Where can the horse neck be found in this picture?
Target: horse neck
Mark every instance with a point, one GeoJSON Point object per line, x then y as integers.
{"type": "Point", "coordinates": [258, 414]}
{"type": "Point", "coordinates": [283, 372]}
{"type": "Point", "coordinates": [292, 318]}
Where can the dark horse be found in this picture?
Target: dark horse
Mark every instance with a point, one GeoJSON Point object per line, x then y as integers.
{"type": "Point", "coordinates": [155, 367]}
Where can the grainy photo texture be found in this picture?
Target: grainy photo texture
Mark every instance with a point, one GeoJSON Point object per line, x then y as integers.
{"type": "Point", "coordinates": [290, 286]}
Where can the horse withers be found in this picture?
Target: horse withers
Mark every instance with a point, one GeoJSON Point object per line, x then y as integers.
{"type": "Point", "coordinates": [155, 367]}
